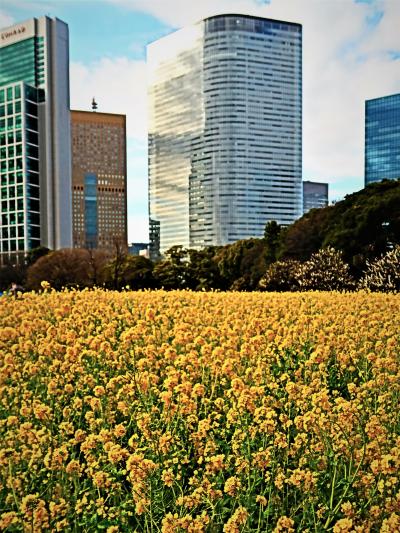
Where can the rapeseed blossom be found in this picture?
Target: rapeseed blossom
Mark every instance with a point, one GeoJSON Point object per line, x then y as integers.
{"type": "Point", "coordinates": [179, 411]}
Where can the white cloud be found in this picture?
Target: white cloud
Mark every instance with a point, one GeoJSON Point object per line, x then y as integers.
{"type": "Point", "coordinates": [178, 13]}
{"type": "Point", "coordinates": [5, 19]}
{"type": "Point", "coordinates": [386, 35]}
{"type": "Point", "coordinates": [339, 74]}
{"type": "Point", "coordinates": [119, 86]}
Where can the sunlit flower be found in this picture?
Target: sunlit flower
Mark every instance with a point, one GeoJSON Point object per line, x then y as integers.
{"type": "Point", "coordinates": [173, 410]}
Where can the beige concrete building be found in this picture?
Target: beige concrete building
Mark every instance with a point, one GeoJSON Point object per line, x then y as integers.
{"type": "Point", "coordinates": [99, 204]}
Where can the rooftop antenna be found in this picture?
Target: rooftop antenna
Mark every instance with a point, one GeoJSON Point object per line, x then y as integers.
{"type": "Point", "coordinates": [94, 105]}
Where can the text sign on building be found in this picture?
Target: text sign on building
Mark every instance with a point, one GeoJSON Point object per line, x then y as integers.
{"type": "Point", "coordinates": [17, 33]}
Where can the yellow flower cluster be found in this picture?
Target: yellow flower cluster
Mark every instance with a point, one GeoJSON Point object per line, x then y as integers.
{"type": "Point", "coordinates": [179, 411]}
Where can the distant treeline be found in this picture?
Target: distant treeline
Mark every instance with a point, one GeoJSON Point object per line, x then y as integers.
{"type": "Point", "coordinates": [352, 244]}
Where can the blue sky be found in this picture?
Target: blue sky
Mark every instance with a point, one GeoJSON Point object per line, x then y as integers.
{"type": "Point", "coordinates": [351, 52]}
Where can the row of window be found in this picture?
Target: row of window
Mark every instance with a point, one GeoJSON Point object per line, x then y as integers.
{"type": "Point", "coordinates": [11, 178]}
{"type": "Point", "coordinates": [12, 137]}
{"type": "Point", "coordinates": [12, 205]}
{"type": "Point", "coordinates": [18, 205]}
{"type": "Point", "coordinates": [12, 191]}
{"type": "Point", "coordinates": [18, 191]}
{"type": "Point", "coordinates": [248, 24]}
{"type": "Point", "coordinates": [13, 232]}
{"type": "Point", "coordinates": [10, 109]}
{"type": "Point", "coordinates": [11, 164]}
{"type": "Point", "coordinates": [23, 60]}
{"type": "Point", "coordinates": [14, 150]}
{"type": "Point", "coordinates": [17, 164]}
{"type": "Point", "coordinates": [14, 93]}
{"type": "Point", "coordinates": [13, 245]}
{"type": "Point", "coordinates": [10, 93]}
{"type": "Point", "coordinates": [387, 102]}
{"type": "Point", "coordinates": [12, 219]}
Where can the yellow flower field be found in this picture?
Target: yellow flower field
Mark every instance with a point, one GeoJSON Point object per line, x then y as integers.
{"type": "Point", "coordinates": [214, 412]}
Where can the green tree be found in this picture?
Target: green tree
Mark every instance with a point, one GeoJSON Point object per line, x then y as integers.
{"type": "Point", "coordinates": [98, 260]}
{"type": "Point", "coordinates": [137, 272]}
{"type": "Point", "coordinates": [173, 271]}
{"type": "Point", "coordinates": [363, 226]}
{"type": "Point", "coordinates": [115, 266]}
{"type": "Point", "coordinates": [242, 264]}
{"type": "Point", "coordinates": [305, 236]}
{"type": "Point", "coordinates": [203, 270]}
{"type": "Point", "coordinates": [33, 255]}
{"type": "Point", "coordinates": [366, 223]}
{"type": "Point", "coordinates": [272, 234]}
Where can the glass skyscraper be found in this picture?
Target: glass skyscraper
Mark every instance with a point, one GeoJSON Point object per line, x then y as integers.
{"type": "Point", "coordinates": [315, 195]}
{"type": "Point", "coordinates": [35, 155]}
{"type": "Point", "coordinates": [382, 138]}
{"type": "Point", "coordinates": [225, 130]}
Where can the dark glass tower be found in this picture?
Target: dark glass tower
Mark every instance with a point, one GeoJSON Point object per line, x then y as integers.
{"type": "Point", "coordinates": [382, 138]}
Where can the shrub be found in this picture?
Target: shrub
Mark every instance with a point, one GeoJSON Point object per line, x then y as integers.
{"type": "Point", "coordinates": [281, 276]}
{"type": "Point", "coordinates": [67, 268]}
{"type": "Point", "coordinates": [11, 274]}
{"type": "Point", "coordinates": [383, 274]}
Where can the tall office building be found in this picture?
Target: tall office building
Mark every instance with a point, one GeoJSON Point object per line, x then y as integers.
{"type": "Point", "coordinates": [315, 195]}
{"type": "Point", "coordinates": [225, 130]}
{"type": "Point", "coordinates": [99, 209]}
{"type": "Point", "coordinates": [382, 138]}
{"type": "Point", "coordinates": [35, 136]}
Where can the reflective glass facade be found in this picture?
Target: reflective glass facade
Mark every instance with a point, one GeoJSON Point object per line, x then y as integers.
{"type": "Point", "coordinates": [315, 195]}
{"type": "Point", "coordinates": [91, 210]}
{"type": "Point", "coordinates": [19, 160]}
{"type": "Point", "coordinates": [225, 130]}
{"type": "Point", "coordinates": [382, 138]}
{"type": "Point", "coordinates": [35, 155]}
{"type": "Point", "coordinates": [23, 60]}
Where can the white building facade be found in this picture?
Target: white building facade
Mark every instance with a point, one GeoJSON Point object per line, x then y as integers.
{"type": "Point", "coordinates": [225, 131]}
{"type": "Point", "coordinates": [35, 137]}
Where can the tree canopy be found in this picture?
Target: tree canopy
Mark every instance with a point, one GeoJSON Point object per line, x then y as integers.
{"type": "Point", "coordinates": [363, 226]}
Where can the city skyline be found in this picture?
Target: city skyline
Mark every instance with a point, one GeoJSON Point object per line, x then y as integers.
{"type": "Point", "coordinates": [357, 61]}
